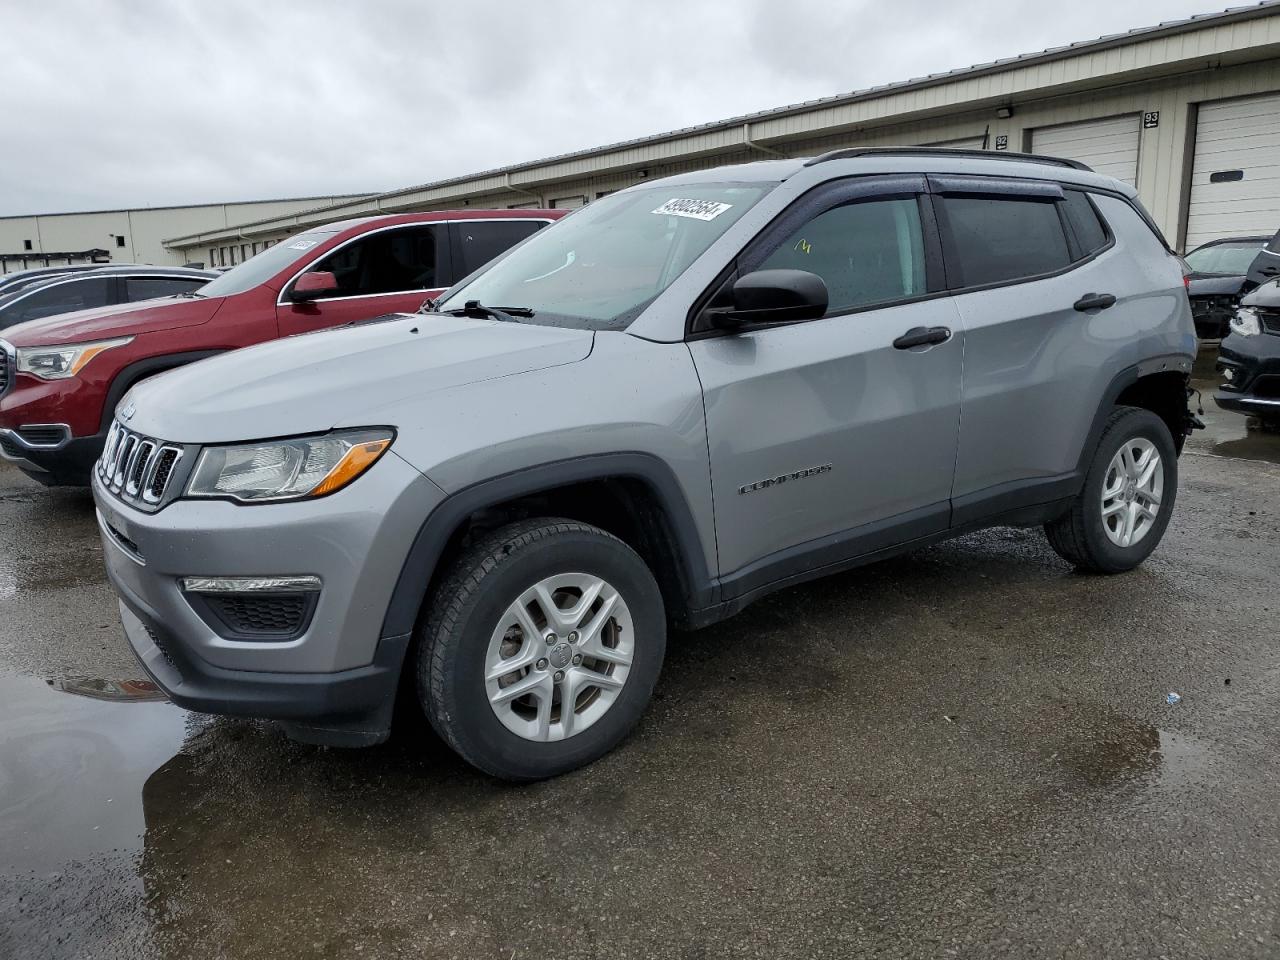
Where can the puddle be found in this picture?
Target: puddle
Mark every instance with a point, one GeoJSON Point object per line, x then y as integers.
{"type": "Point", "coordinates": [72, 768]}
{"type": "Point", "coordinates": [1229, 434]}
{"type": "Point", "coordinates": [1135, 752]}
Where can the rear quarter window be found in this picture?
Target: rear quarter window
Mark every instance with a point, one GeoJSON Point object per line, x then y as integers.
{"type": "Point", "coordinates": [998, 240]}
{"type": "Point", "coordinates": [1090, 232]}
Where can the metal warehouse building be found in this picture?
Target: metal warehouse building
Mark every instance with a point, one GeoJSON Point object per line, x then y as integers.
{"type": "Point", "coordinates": [1188, 111]}
{"type": "Point", "coordinates": [130, 236]}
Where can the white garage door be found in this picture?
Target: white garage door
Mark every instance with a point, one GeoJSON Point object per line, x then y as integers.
{"type": "Point", "coordinates": [1107, 146]}
{"type": "Point", "coordinates": [1235, 177]}
{"type": "Point", "coordinates": [568, 203]}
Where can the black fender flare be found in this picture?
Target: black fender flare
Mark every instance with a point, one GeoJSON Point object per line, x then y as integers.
{"type": "Point", "coordinates": [1169, 363]}
{"type": "Point", "coordinates": [436, 531]}
{"type": "Point", "coordinates": [140, 369]}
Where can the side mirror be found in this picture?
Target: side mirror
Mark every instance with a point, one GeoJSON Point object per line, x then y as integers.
{"type": "Point", "coordinates": [313, 285]}
{"type": "Point", "coordinates": [773, 296]}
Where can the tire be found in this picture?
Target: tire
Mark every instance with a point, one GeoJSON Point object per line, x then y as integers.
{"type": "Point", "coordinates": [473, 629]}
{"type": "Point", "coordinates": [1081, 536]}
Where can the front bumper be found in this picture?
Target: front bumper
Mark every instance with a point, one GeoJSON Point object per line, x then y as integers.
{"type": "Point", "coordinates": [1254, 363]}
{"type": "Point", "coordinates": [335, 682]}
{"type": "Point", "coordinates": [65, 463]}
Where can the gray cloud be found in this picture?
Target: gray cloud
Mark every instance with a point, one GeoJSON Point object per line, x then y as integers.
{"type": "Point", "coordinates": [123, 103]}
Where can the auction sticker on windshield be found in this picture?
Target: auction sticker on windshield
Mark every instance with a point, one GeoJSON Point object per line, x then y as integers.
{"type": "Point", "coordinates": [694, 209]}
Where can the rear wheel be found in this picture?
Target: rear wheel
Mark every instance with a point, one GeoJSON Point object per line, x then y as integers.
{"type": "Point", "coordinates": [1128, 496]}
{"type": "Point", "coordinates": [541, 648]}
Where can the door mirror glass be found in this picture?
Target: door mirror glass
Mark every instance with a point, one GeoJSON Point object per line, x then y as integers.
{"type": "Point", "coordinates": [313, 285]}
{"type": "Point", "coordinates": [773, 296]}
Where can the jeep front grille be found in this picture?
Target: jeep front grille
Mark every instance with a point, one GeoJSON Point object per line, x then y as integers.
{"type": "Point", "coordinates": [137, 468]}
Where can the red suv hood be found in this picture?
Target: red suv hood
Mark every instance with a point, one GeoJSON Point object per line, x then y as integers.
{"type": "Point", "coordinates": [122, 320]}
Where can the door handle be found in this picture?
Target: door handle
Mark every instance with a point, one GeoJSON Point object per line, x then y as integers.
{"type": "Point", "coordinates": [1095, 301]}
{"type": "Point", "coordinates": [922, 337]}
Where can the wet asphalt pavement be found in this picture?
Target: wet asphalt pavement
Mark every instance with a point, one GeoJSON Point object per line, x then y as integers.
{"type": "Point", "coordinates": [962, 752]}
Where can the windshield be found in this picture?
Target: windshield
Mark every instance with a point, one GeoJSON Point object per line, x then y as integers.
{"type": "Point", "coordinates": [1225, 258]}
{"type": "Point", "coordinates": [263, 266]}
{"type": "Point", "coordinates": [599, 268]}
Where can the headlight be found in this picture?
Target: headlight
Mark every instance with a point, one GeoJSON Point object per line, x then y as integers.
{"type": "Point", "coordinates": [59, 363]}
{"type": "Point", "coordinates": [298, 469]}
{"type": "Point", "coordinates": [1245, 322]}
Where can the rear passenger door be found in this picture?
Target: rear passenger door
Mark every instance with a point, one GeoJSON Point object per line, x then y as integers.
{"type": "Point", "coordinates": [392, 270]}
{"type": "Point", "coordinates": [1027, 262]}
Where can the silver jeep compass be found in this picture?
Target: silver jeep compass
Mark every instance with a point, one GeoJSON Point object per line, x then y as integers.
{"type": "Point", "coordinates": [657, 410]}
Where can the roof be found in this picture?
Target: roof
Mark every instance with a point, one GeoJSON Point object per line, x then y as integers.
{"type": "Point", "coordinates": [1231, 15]}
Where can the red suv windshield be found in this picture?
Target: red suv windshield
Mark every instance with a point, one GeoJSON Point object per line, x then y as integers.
{"type": "Point", "coordinates": [265, 265]}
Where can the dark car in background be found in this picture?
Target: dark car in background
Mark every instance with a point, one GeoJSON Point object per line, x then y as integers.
{"type": "Point", "coordinates": [1224, 270]}
{"type": "Point", "coordinates": [21, 278]}
{"type": "Point", "coordinates": [1249, 358]}
{"type": "Point", "coordinates": [56, 294]}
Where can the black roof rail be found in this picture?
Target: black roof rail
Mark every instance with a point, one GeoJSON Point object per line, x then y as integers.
{"type": "Point", "coordinates": [850, 152]}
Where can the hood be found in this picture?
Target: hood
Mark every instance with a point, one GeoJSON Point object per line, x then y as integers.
{"type": "Point", "coordinates": [317, 381]}
{"type": "Point", "coordinates": [125, 319]}
{"type": "Point", "coordinates": [1213, 284]}
{"type": "Point", "coordinates": [1266, 296]}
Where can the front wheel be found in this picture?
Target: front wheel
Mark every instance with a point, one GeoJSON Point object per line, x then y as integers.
{"type": "Point", "coordinates": [541, 648]}
{"type": "Point", "coordinates": [1128, 496]}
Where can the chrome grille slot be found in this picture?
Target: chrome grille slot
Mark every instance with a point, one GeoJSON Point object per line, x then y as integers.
{"type": "Point", "coordinates": [142, 455]}
{"type": "Point", "coordinates": [137, 468]}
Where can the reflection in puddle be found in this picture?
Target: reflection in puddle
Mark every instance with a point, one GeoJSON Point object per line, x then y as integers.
{"type": "Point", "coordinates": [1229, 434]}
{"type": "Point", "coordinates": [110, 690]}
{"type": "Point", "coordinates": [72, 771]}
{"type": "Point", "coordinates": [1133, 751]}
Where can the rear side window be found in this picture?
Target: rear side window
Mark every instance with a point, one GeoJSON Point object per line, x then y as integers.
{"type": "Point", "coordinates": [59, 298]}
{"type": "Point", "coordinates": [481, 241]}
{"type": "Point", "coordinates": [1090, 233]}
{"type": "Point", "coordinates": [867, 252]}
{"type": "Point", "coordinates": [996, 240]}
{"type": "Point", "coordinates": [148, 288]}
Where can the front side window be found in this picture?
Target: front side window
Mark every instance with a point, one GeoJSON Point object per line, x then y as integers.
{"type": "Point", "coordinates": [148, 288]}
{"type": "Point", "coordinates": [480, 241]}
{"type": "Point", "coordinates": [393, 261]}
{"type": "Point", "coordinates": [1228, 259]}
{"type": "Point", "coordinates": [598, 269]}
{"type": "Point", "coordinates": [868, 252]}
{"type": "Point", "coordinates": [64, 297]}
{"type": "Point", "coordinates": [997, 240]}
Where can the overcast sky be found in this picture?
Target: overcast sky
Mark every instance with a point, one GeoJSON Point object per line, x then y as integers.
{"type": "Point", "coordinates": [130, 103]}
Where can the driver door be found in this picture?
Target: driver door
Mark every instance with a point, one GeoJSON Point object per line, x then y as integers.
{"type": "Point", "coordinates": [394, 270]}
{"type": "Point", "coordinates": [834, 438]}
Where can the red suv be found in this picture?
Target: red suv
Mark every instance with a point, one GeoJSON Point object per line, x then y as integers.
{"type": "Point", "coordinates": [61, 378]}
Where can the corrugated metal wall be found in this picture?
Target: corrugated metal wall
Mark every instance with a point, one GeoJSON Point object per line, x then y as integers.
{"type": "Point", "coordinates": [1154, 83]}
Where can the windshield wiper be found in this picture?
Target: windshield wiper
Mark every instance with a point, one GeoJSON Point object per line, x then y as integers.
{"type": "Point", "coordinates": [190, 295]}
{"type": "Point", "coordinates": [478, 311]}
